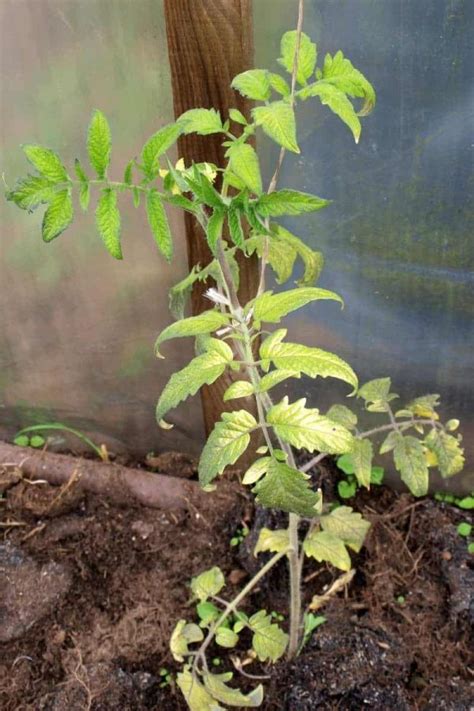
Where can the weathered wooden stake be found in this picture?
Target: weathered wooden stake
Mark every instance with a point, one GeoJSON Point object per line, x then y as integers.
{"type": "Point", "coordinates": [209, 42]}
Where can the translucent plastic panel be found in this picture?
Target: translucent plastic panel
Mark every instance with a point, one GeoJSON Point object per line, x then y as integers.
{"type": "Point", "coordinates": [398, 237]}
{"type": "Point", "coordinates": [76, 327]}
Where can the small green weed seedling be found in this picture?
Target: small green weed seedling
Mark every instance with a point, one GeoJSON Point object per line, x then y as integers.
{"type": "Point", "coordinates": [231, 200]}
{"type": "Point", "coordinates": [347, 487]}
{"type": "Point", "coordinates": [239, 536]}
{"type": "Point", "coordinates": [464, 529]}
{"type": "Point", "coordinates": [465, 502]}
{"type": "Point", "coordinates": [23, 438]}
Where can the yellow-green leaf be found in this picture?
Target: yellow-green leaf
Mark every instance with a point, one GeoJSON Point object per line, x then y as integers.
{"type": "Point", "coordinates": [46, 162]}
{"type": "Point", "coordinates": [183, 635]}
{"type": "Point", "coordinates": [227, 441]}
{"type": "Point", "coordinates": [208, 583]}
{"type": "Point", "coordinates": [325, 546]}
{"type": "Point", "coordinates": [361, 454]}
{"type": "Point", "coordinates": [206, 322]}
{"type": "Point", "coordinates": [159, 225]}
{"type": "Point", "coordinates": [58, 215]}
{"type": "Point", "coordinates": [107, 219]}
{"type": "Point", "coordinates": [307, 55]}
{"type": "Point", "coordinates": [275, 541]}
{"type": "Point", "coordinates": [216, 684]}
{"type": "Point", "coordinates": [99, 143]}
{"type": "Point", "coordinates": [254, 84]}
{"type": "Point", "coordinates": [196, 695]}
{"type": "Point", "coordinates": [269, 641]}
{"type": "Point", "coordinates": [410, 461]}
{"type": "Point", "coordinates": [244, 163]}
{"type": "Point", "coordinates": [448, 451]}
{"type": "Point", "coordinates": [278, 122]}
{"type": "Point", "coordinates": [287, 489]}
{"type": "Point", "coordinates": [347, 525]}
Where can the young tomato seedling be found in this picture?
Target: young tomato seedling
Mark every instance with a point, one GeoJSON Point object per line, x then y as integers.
{"type": "Point", "coordinates": [231, 200]}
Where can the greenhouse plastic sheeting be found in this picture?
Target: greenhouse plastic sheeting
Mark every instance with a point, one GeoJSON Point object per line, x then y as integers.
{"type": "Point", "coordinates": [78, 328]}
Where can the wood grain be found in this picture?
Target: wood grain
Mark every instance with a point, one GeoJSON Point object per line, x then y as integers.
{"type": "Point", "coordinates": [209, 42]}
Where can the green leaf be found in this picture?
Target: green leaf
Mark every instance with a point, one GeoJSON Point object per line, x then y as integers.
{"type": "Point", "coordinates": [313, 261]}
{"type": "Point", "coordinates": [184, 634]}
{"type": "Point", "coordinates": [254, 84]}
{"type": "Point", "coordinates": [46, 162]}
{"type": "Point", "coordinates": [99, 143]}
{"type": "Point", "coordinates": [217, 687]}
{"type": "Point", "coordinates": [274, 541]}
{"type": "Point", "coordinates": [346, 490]}
{"type": "Point", "coordinates": [389, 442]}
{"type": "Point", "coordinates": [37, 441]}
{"type": "Point", "coordinates": [201, 121]}
{"type": "Point", "coordinates": [22, 441]}
{"type": "Point", "coordinates": [302, 427]}
{"type": "Point", "coordinates": [227, 441]}
{"type": "Point", "coordinates": [58, 216]}
{"type": "Point", "coordinates": [272, 307]}
{"type": "Point", "coordinates": [313, 362]}
{"type": "Point", "coordinates": [280, 256]}
{"type": "Point", "coordinates": [276, 377]}
{"type": "Point", "coordinates": [289, 202]}
{"type": "Point", "coordinates": [340, 72]}
{"type": "Point", "coordinates": [238, 117]}
{"type": "Point", "coordinates": [269, 641]}
{"type": "Point", "coordinates": [202, 370]}
{"type": "Point", "coordinates": [206, 322]}
{"type": "Point", "coordinates": [108, 222]}
{"type": "Point", "coordinates": [362, 454]}
{"type": "Point", "coordinates": [159, 225]}
{"type": "Point", "coordinates": [31, 191]}
{"type": "Point", "coordinates": [226, 638]}
{"type": "Point", "coordinates": [409, 458]}
{"type": "Point", "coordinates": [208, 584]}
{"type": "Point", "coordinates": [342, 415]}
{"type": "Point", "coordinates": [278, 122]}
{"type": "Point", "coordinates": [347, 525]}
{"type": "Point", "coordinates": [448, 451]}
{"type": "Point", "coordinates": [214, 229]}
{"type": "Point", "coordinates": [307, 55]}
{"type": "Point", "coordinates": [346, 464]}
{"type": "Point", "coordinates": [325, 546]}
{"type": "Point", "coordinates": [256, 471]}
{"type": "Point", "coordinates": [241, 388]}
{"type": "Point", "coordinates": [338, 102]}
{"type": "Point", "coordinates": [376, 391]}
{"type": "Point", "coordinates": [204, 190]}
{"type": "Point", "coordinates": [235, 227]}
{"type": "Point", "coordinates": [156, 146]}
{"type": "Point", "coordinates": [196, 696]}
{"type": "Point", "coordinates": [279, 85]}
{"type": "Point", "coordinates": [207, 613]}
{"type": "Point", "coordinates": [287, 489]}
{"type": "Point", "coordinates": [243, 162]}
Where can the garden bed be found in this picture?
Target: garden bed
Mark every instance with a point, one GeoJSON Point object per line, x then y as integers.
{"type": "Point", "coordinates": [90, 592]}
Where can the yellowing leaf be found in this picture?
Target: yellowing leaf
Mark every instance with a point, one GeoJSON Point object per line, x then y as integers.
{"type": "Point", "coordinates": [241, 388]}
{"type": "Point", "coordinates": [58, 216]}
{"type": "Point", "coordinates": [197, 696]}
{"type": "Point", "coordinates": [306, 55]}
{"type": "Point", "coordinates": [254, 83]}
{"type": "Point", "coordinates": [362, 453]}
{"type": "Point", "coordinates": [409, 458]}
{"type": "Point", "coordinates": [347, 525]}
{"type": "Point", "coordinates": [46, 162]}
{"type": "Point", "coordinates": [269, 641]}
{"type": "Point", "coordinates": [325, 546]}
{"type": "Point", "coordinates": [244, 163]}
{"type": "Point", "coordinates": [447, 450]}
{"type": "Point", "coordinates": [206, 322]}
{"type": "Point", "coordinates": [208, 583]}
{"type": "Point", "coordinates": [227, 441]}
{"type": "Point", "coordinates": [287, 489]}
{"type": "Point", "coordinates": [275, 541]}
{"type": "Point", "coordinates": [306, 428]}
{"type": "Point", "coordinates": [184, 634]}
{"type": "Point", "coordinates": [256, 470]}
{"type": "Point", "coordinates": [278, 122]}
{"type": "Point", "coordinates": [216, 684]}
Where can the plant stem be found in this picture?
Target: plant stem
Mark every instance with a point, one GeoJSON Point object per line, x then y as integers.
{"type": "Point", "coordinates": [233, 604]}
{"type": "Point", "coordinates": [295, 586]}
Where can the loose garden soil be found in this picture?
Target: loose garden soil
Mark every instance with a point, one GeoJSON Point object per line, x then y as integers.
{"type": "Point", "coordinates": [89, 593]}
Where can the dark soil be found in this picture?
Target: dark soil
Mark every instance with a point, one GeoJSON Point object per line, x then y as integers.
{"type": "Point", "coordinates": [89, 594]}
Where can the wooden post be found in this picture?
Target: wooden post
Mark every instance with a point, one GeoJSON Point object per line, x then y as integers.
{"type": "Point", "coordinates": [209, 42]}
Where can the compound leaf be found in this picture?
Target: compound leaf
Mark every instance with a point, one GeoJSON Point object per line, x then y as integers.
{"type": "Point", "coordinates": [107, 218]}
{"type": "Point", "coordinates": [278, 122]}
{"type": "Point", "coordinates": [227, 441]}
{"type": "Point", "coordinates": [303, 427]}
{"type": "Point", "coordinates": [99, 143]}
{"type": "Point", "coordinates": [159, 225]}
{"type": "Point", "coordinates": [58, 215]}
